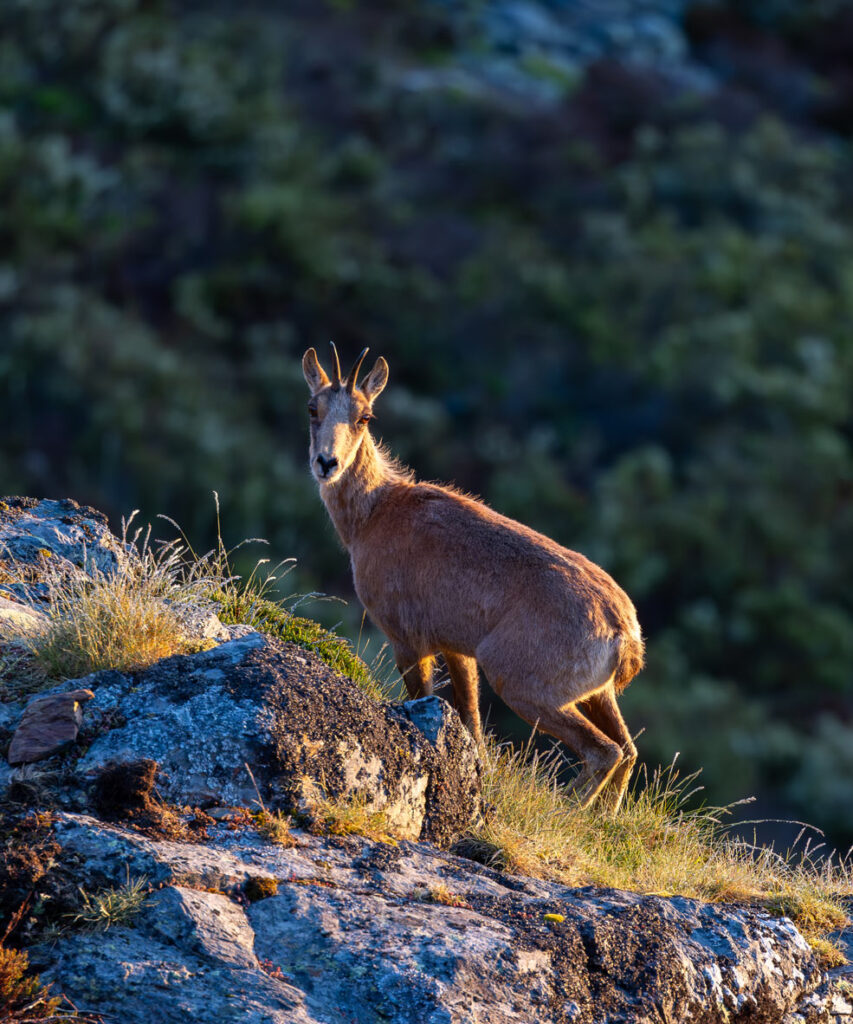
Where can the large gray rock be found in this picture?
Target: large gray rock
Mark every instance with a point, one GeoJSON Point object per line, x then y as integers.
{"type": "Point", "coordinates": [208, 924]}
{"type": "Point", "coordinates": [365, 932]}
{"type": "Point", "coordinates": [141, 979]}
{"type": "Point", "coordinates": [303, 730]}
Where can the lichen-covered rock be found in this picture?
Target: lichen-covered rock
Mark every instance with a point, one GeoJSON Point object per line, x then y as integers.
{"type": "Point", "coordinates": [303, 730]}
{"type": "Point", "coordinates": [141, 979]}
{"type": "Point", "coordinates": [366, 932]}
{"type": "Point", "coordinates": [208, 924]}
{"type": "Point", "coordinates": [63, 531]}
{"type": "Point", "coordinates": [200, 623]}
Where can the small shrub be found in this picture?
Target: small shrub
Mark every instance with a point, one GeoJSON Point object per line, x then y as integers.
{"type": "Point", "coordinates": [22, 996]}
{"type": "Point", "coordinates": [28, 852]}
{"type": "Point", "coordinates": [259, 888]}
{"type": "Point", "coordinates": [25, 1000]}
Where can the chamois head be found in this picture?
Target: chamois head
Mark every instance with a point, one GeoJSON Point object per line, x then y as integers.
{"type": "Point", "coordinates": [339, 412]}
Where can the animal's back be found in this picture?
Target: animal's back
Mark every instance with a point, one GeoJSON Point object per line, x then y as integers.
{"type": "Point", "coordinates": [447, 569]}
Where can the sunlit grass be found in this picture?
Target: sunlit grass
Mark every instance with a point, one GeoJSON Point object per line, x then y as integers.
{"type": "Point", "coordinates": [126, 619]}
{"type": "Point", "coordinates": [132, 617]}
{"type": "Point", "coordinates": [657, 843]}
{"type": "Point", "coordinates": [351, 815]}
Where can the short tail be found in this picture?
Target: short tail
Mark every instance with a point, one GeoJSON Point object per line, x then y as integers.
{"type": "Point", "coordinates": [630, 661]}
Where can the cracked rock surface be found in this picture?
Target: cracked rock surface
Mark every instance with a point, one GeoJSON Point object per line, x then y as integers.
{"type": "Point", "coordinates": [367, 932]}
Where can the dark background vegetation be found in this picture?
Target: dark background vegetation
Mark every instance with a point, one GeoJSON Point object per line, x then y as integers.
{"type": "Point", "coordinates": [616, 295]}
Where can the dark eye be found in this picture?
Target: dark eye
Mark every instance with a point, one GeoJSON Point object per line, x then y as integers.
{"type": "Point", "coordinates": [366, 418]}
{"type": "Point", "coordinates": [312, 412]}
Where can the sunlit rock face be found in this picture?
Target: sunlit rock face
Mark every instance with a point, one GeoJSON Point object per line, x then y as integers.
{"type": "Point", "coordinates": [61, 532]}
{"type": "Point", "coordinates": [366, 932]}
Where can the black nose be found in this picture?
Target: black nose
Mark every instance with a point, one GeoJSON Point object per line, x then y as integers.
{"type": "Point", "coordinates": [326, 465]}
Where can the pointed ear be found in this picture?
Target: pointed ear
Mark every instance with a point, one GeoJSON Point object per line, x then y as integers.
{"type": "Point", "coordinates": [315, 375]}
{"type": "Point", "coordinates": [376, 380]}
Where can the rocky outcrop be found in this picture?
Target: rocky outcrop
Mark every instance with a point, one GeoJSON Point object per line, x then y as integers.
{"type": "Point", "coordinates": [62, 531]}
{"type": "Point", "coordinates": [317, 929]}
{"type": "Point", "coordinates": [304, 732]}
{"type": "Point", "coordinates": [367, 932]}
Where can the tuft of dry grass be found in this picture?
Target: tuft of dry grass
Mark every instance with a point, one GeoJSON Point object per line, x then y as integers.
{"type": "Point", "coordinates": [109, 907]}
{"type": "Point", "coordinates": [133, 617]}
{"type": "Point", "coordinates": [274, 827]}
{"type": "Point", "coordinates": [123, 620]}
{"type": "Point", "coordinates": [438, 893]}
{"type": "Point", "coordinates": [348, 816]}
{"type": "Point", "coordinates": [657, 843]}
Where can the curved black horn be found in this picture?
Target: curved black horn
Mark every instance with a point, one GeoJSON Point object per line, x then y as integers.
{"type": "Point", "coordinates": [336, 367]}
{"type": "Point", "coordinates": [353, 377]}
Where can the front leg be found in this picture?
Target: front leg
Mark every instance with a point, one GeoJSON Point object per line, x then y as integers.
{"type": "Point", "coordinates": [416, 671]}
{"type": "Point", "coordinates": [463, 675]}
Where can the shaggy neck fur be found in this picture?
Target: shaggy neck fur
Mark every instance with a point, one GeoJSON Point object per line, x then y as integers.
{"type": "Point", "coordinates": [351, 499]}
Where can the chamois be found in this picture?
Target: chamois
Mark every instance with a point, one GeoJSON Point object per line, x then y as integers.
{"type": "Point", "coordinates": [440, 572]}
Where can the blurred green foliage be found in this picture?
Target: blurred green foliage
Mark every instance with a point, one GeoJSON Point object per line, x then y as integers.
{"type": "Point", "coordinates": [647, 355]}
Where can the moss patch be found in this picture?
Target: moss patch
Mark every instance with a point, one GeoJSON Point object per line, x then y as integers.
{"type": "Point", "coordinates": [259, 888]}
{"type": "Point", "coordinates": [276, 621]}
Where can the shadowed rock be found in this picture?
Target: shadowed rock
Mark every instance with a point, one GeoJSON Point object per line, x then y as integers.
{"type": "Point", "coordinates": [305, 732]}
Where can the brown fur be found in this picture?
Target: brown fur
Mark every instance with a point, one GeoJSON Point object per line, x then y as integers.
{"type": "Point", "coordinates": [440, 572]}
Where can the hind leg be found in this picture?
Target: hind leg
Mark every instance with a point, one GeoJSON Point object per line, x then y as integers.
{"type": "Point", "coordinates": [600, 755]}
{"type": "Point", "coordinates": [550, 704]}
{"type": "Point", "coordinates": [603, 711]}
{"type": "Point", "coordinates": [465, 680]}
